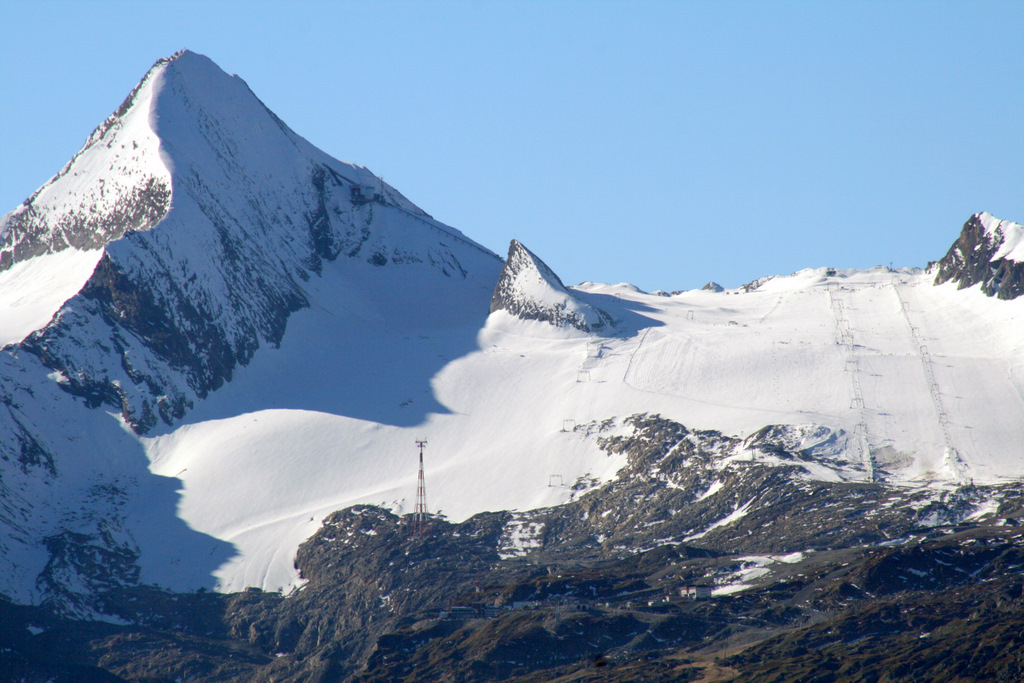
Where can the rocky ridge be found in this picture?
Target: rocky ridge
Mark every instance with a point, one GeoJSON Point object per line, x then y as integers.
{"type": "Point", "coordinates": [115, 185]}
{"type": "Point", "coordinates": [986, 253]}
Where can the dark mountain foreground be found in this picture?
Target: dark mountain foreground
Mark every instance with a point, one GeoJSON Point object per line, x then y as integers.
{"type": "Point", "coordinates": [592, 595]}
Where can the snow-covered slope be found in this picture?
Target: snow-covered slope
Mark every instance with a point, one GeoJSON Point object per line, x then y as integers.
{"type": "Point", "coordinates": [117, 183]}
{"type": "Point", "coordinates": [31, 291]}
{"type": "Point", "coordinates": [201, 388]}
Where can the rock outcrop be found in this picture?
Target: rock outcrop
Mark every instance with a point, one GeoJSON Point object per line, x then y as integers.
{"type": "Point", "coordinates": [530, 290]}
{"type": "Point", "coordinates": [989, 252]}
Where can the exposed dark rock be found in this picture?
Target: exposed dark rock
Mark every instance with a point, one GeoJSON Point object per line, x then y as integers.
{"type": "Point", "coordinates": [173, 326]}
{"type": "Point", "coordinates": [972, 259]}
{"type": "Point", "coordinates": [756, 284]}
{"type": "Point", "coordinates": [26, 234]}
{"type": "Point", "coordinates": [21, 445]}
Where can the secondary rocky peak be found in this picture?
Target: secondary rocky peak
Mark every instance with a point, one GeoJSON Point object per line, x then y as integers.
{"type": "Point", "coordinates": [989, 252]}
{"type": "Point", "coordinates": [529, 289]}
{"type": "Point", "coordinates": [520, 260]}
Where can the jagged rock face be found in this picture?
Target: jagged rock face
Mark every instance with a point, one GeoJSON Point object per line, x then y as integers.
{"type": "Point", "coordinates": [530, 290]}
{"type": "Point", "coordinates": [988, 253]}
{"type": "Point", "coordinates": [707, 489]}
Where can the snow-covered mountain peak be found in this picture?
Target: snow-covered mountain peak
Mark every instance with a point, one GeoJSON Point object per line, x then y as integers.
{"type": "Point", "coordinates": [205, 115]}
{"type": "Point", "coordinates": [530, 290]}
{"type": "Point", "coordinates": [202, 218]}
{"type": "Point", "coordinates": [989, 252]}
{"type": "Point", "coordinates": [189, 126]}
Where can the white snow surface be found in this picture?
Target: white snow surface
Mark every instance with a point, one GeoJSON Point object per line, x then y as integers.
{"type": "Point", "coordinates": [32, 291]}
{"type": "Point", "coordinates": [752, 568]}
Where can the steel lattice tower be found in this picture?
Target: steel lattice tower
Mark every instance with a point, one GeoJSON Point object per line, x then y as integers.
{"type": "Point", "coordinates": [420, 518]}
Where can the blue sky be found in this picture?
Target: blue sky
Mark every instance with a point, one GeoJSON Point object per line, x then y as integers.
{"type": "Point", "coordinates": [660, 143]}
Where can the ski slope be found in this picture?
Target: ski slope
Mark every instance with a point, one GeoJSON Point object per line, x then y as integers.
{"type": "Point", "coordinates": [928, 376]}
{"type": "Point", "coordinates": [927, 380]}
